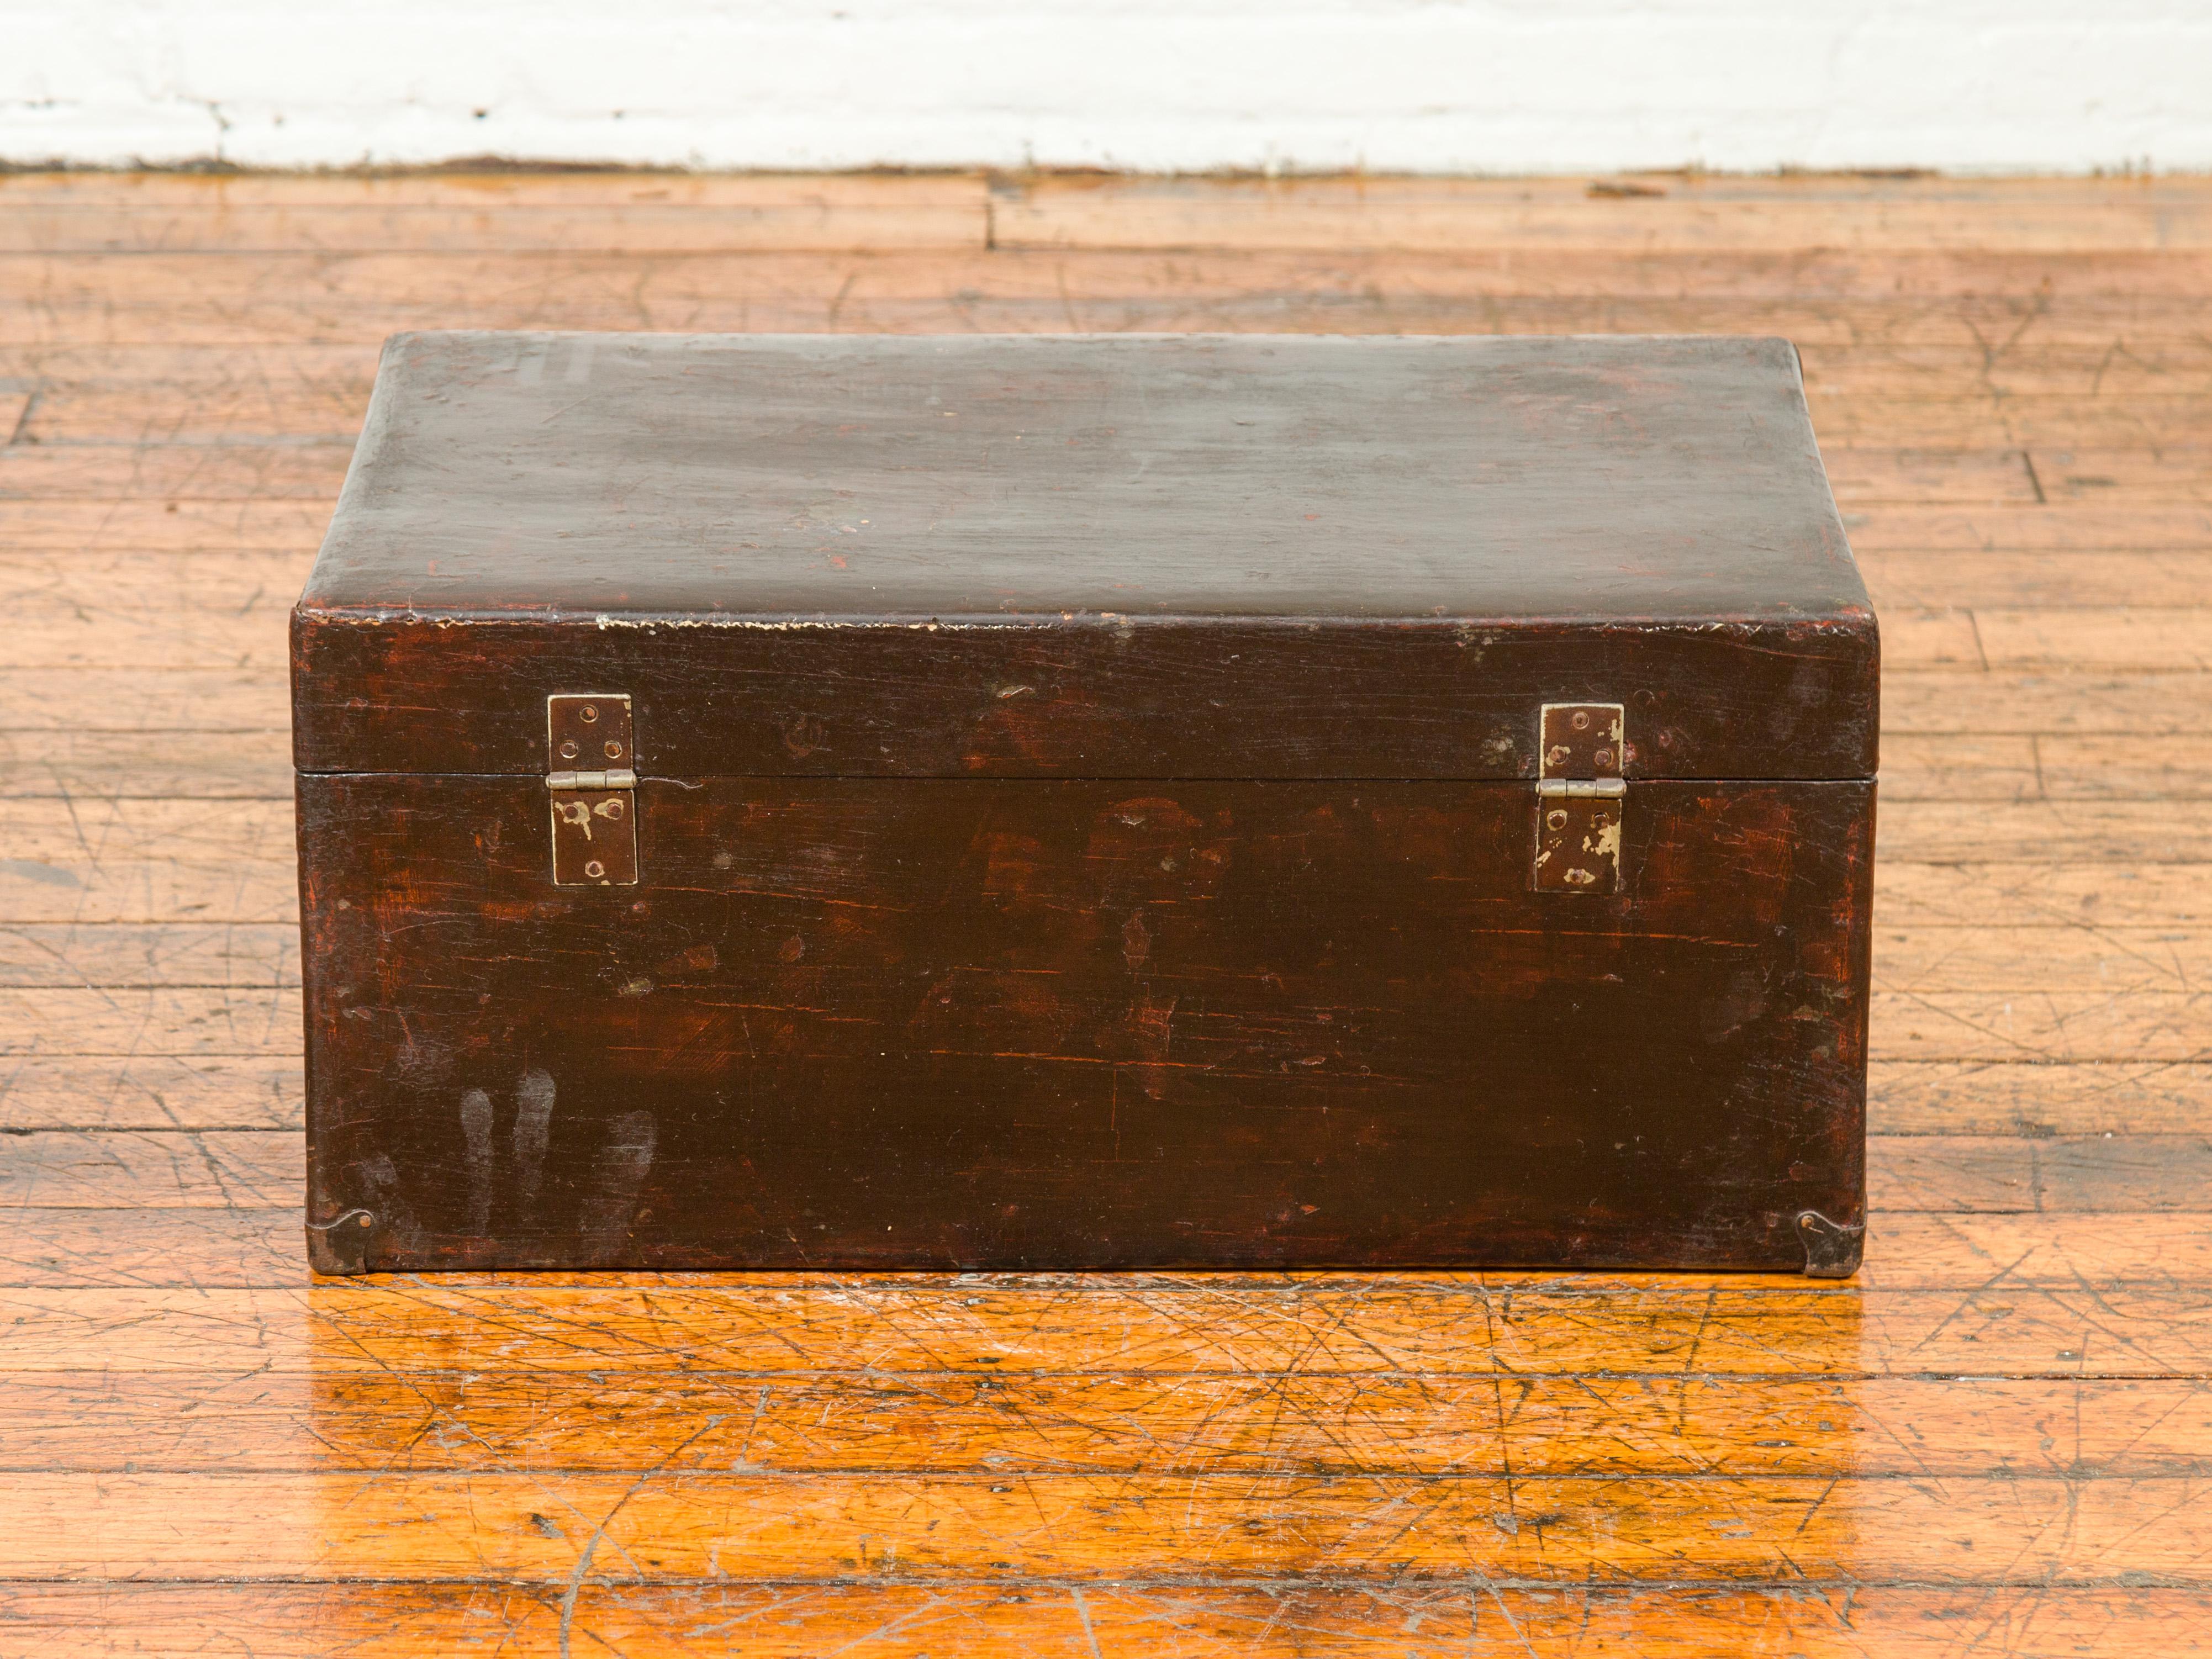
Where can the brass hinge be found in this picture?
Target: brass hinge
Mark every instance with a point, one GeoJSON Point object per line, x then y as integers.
{"type": "Point", "coordinates": [591, 775]}
{"type": "Point", "coordinates": [1580, 797]}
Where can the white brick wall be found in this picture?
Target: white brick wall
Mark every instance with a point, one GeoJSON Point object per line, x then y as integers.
{"type": "Point", "coordinates": [1420, 85]}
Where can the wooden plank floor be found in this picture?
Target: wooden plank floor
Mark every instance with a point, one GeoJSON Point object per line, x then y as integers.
{"type": "Point", "coordinates": [1997, 1441]}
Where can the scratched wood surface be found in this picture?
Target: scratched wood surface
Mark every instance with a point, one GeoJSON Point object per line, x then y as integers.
{"type": "Point", "coordinates": [1997, 1441]}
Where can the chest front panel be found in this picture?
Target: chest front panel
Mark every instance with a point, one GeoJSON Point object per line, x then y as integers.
{"type": "Point", "coordinates": [1020, 1023]}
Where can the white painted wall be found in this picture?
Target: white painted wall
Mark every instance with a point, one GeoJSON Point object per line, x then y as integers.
{"type": "Point", "coordinates": [1422, 85]}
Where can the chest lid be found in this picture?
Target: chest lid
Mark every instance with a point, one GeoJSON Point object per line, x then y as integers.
{"type": "Point", "coordinates": [1087, 556]}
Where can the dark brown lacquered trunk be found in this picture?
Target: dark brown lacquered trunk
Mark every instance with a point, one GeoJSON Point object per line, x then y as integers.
{"type": "Point", "coordinates": [1323, 905]}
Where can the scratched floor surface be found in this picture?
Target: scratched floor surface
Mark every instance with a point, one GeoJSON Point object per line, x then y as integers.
{"type": "Point", "coordinates": [1997, 1442]}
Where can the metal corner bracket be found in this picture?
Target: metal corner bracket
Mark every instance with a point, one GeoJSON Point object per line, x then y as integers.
{"type": "Point", "coordinates": [341, 1246]}
{"type": "Point", "coordinates": [1833, 1249]}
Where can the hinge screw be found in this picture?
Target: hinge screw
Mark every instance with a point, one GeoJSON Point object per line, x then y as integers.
{"type": "Point", "coordinates": [587, 713]}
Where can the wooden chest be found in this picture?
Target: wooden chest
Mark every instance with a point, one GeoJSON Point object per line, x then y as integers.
{"type": "Point", "coordinates": [1086, 802]}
